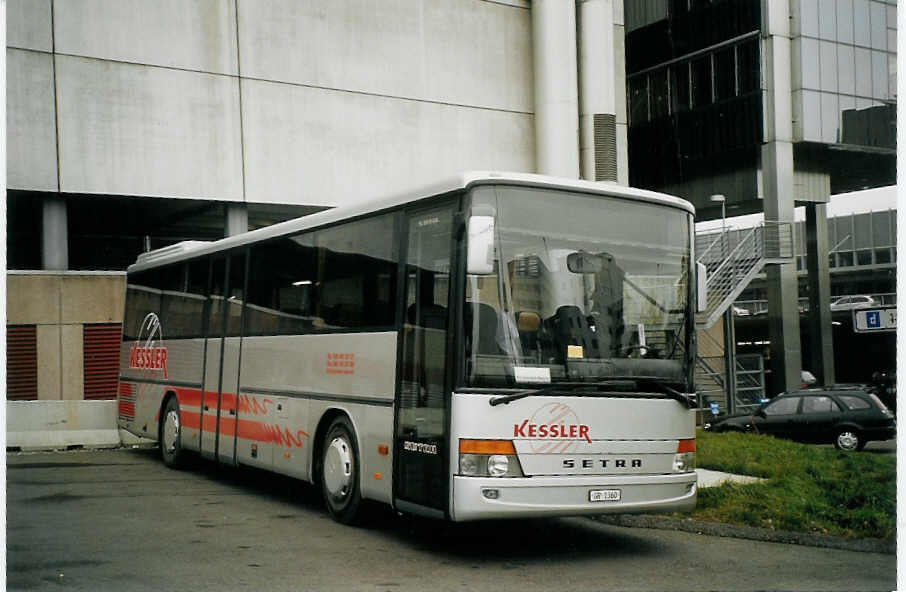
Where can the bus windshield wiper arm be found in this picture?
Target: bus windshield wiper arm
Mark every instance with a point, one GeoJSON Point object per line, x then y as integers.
{"type": "Point", "coordinates": [641, 381]}
{"type": "Point", "coordinates": [506, 399]}
{"type": "Point", "coordinates": [687, 400]}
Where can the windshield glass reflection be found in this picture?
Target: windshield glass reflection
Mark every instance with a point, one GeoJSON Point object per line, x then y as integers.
{"type": "Point", "coordinates": [591, 288]}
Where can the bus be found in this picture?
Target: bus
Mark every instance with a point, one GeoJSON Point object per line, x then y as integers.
{"type": "Point", "coordinates": [498, 345]}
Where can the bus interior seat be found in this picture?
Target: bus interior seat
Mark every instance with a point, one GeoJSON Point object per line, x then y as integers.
{"type": "Point", "coordinates": [528, 323]}
{"type": "Point", "coordinates": [487, 327]}
{"type": "Point", "coordinates": [429, 316]}
{"type": "Point", "coordinates": [569, 326]}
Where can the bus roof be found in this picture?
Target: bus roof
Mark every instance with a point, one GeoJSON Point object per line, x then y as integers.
{"type": "Point", "coordinates": [192, 249]}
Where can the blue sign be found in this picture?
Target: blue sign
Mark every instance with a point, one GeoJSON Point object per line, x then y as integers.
{"type": "Point", "coordinates": [715, 408]}
{"type": "Point", "coordinates": [873, 319]}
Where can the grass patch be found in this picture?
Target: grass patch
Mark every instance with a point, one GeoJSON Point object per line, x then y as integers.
{"type": "Point", "coordinates": [810, 489]}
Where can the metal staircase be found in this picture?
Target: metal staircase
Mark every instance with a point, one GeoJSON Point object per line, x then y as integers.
{"type": "Point", "coordinates": [734, 257]}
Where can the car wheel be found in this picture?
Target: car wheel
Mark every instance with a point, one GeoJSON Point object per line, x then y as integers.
{"type": "Point", "coordinates": [171, 450]}
{"type": "Point", "coordinates": [848, 439]}
{"type": "Point", "coordinates": [340, 472]}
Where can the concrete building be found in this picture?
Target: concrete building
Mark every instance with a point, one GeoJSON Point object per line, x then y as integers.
{"type": "Point", "coordinates": [133, 124]}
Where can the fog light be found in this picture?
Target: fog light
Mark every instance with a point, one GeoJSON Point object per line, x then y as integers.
{"type": "Point", "coordinates": [490, 493]}
{"type": "Point", "coordinates": [468, 464]}
{"type": "Point", "coordinates": [498, 465]}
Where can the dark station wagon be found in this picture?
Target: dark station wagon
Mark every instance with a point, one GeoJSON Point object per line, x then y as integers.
{"type": "Point", "coordinates": [846, 417]}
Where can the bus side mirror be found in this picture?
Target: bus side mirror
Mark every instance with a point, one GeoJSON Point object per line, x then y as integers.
{"type": "Point", "coordinates": [701, 285]}
{"type": "Point", "coordinates": [480, 256]}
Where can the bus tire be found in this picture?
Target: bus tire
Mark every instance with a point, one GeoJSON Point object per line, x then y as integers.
{"type": "Point", "coordinates": [340, 472]}
{"type": "Point", "coordinates": [171, 450]}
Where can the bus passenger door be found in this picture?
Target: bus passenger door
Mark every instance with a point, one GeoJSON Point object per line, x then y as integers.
{"type": "Point", "coordinates": [221, 379]}
{"type": "Point", "coordinates": [421, 471]}
{"type": "Point", "coordinates": [229, 366]}
{"type": "Point", "coordinates": [213, 352]}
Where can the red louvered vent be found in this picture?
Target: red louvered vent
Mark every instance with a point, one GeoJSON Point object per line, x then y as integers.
{"type": "Point", "coordinates": [102, 360]}
{"type": "Point", "coordinates": [21, 363]}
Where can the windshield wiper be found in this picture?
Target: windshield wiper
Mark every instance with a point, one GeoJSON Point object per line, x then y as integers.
{"type": "Point", "coordinates": [506, 399]}
{"type": "Point", "coordinates": [620, 382]}
{"type": "Point", "coordinates": [652, 382]}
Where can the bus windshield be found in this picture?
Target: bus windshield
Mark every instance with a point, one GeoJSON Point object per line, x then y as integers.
{"type": "Point", "coordinates": [584, 289]}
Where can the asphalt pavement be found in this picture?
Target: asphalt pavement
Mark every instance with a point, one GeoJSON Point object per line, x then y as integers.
{"type": "Point", "coordinates": [119, 520]}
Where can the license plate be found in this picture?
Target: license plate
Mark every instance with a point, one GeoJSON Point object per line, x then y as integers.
{"type": "Point", "coordinates": [604, 495]}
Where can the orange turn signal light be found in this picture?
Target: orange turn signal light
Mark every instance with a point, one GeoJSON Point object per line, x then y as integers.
{"type": "Point", "coordinates": [486, 447]}
{"type": "Point", "coordinates": [685, 446]}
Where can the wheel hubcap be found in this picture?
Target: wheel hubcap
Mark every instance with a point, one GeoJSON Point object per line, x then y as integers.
{"type": "Point", "coordinates": [171, 430]}
{"type": "Point", "coordinates": [847, 441]}
{"type": "Point", "coordinates": [338, 467]}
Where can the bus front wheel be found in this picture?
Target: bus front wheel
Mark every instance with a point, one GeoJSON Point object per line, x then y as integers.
{"type": "Point", "coordinates": [340, 472]}
{"type": "Point", "coordinates": [171, 451]}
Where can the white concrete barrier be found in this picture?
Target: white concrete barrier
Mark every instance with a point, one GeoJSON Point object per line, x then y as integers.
{"type": "Point", "coordinates": [52, 425]}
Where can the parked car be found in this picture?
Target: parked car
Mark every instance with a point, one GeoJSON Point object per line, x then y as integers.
{"type": "Point", "coordinates": [846, 417]}
{"type": "Point", "coordinates": [884, 384]}
{"type": "Point", "coordinates": [851, 302]}
{"type": "Point", "coordinates": [808, 379]}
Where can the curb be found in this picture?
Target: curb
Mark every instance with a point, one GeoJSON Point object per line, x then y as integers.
{"type": "Point", "coordinates": [750, 533]}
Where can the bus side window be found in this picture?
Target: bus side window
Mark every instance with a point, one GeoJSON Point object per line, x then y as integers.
{"type": "Point", "coordinates": [357, 271]}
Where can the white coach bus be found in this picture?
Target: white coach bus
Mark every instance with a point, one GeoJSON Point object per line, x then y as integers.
{"type": "Point", "coordinates": [502, 345]}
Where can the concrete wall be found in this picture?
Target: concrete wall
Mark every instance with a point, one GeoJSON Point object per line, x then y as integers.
{"type": "Point", "coordinates": [315, 103]}
{"type": "Point", "coordinates": [60, 304]}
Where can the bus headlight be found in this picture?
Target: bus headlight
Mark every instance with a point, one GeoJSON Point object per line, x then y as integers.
{"type": "Point", "coordinates": [468, 464]}
{"type": "Point", "coordinates": [498, 465]}
{"type": "Point", "coordinates": [488, 458]}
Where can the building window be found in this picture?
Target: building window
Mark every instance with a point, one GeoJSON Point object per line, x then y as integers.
{"type": "Point", "coordinates": [659, 93]}
{"type": "Point", "coordinates": [725, 74]}
{"type": "Point", "coordinates": [638, 99]}
{"type": "Point", "coordinates": [701, 82]}
{"type": "Point", "coordinates": [882, 256]}
{"type": "Point", "coordinates": [679, 87]}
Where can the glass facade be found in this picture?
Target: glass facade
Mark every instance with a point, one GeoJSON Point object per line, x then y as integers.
{"type": "Point", "coordinates": [844, 72]}
{"type": "Point", "coordinates": [694, 92]}
{"type": "Point", "coordinates": [855, 240]}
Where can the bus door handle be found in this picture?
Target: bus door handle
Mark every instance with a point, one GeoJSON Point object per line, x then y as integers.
{"type": "Point", "coordinates": [206, 408]}
{"type": "Point", "coordinates": [232, 412]}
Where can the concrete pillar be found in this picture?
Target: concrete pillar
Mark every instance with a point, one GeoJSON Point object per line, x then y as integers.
{"type": "Point", "coordinates": [820, 331]}
{"type": "Point", "coordinates": [782, 281]}
{"type": "Point", "coordinates": [237, 219]}
{"type": "Point", "coordinates": [54, 234]}
{"type": "Point", "coordinates": [730, 360]}
{"type": "Point", "coordinates": [556, 87]}
{"type": "Point", "coordinates": [777, 189]}
{"type": "Point", "coordinates": [597, 91]}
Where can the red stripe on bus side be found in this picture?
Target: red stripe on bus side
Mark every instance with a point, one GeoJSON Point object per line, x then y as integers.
{"type": "Point", "coordinates": [188, 397]}
{"type": "Point", "coordinates": [256, 431]}
{"type": "Point", "coordinates": [190, 420]}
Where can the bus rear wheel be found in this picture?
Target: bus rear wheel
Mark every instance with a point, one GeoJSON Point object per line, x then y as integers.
{"type": "Point", "coordinates": [171, 450]}
{"type": "Point", "coordinates": [340, 472]}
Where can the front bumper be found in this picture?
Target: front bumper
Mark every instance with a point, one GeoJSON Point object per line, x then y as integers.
{"type": "Point", "coordinates": [568, 496]}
